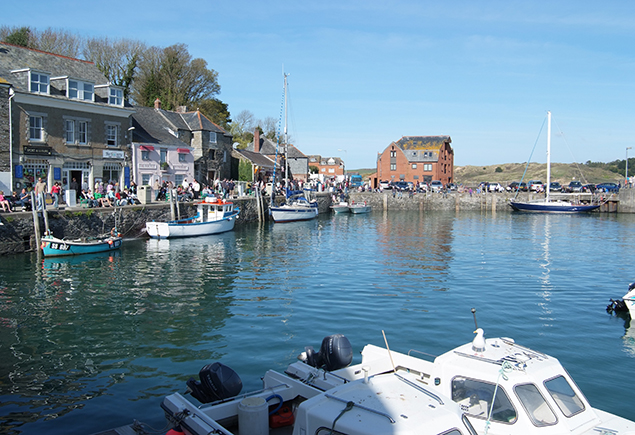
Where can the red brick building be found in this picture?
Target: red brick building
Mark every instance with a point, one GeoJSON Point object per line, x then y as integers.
{"type": "Point", "coordinates": [328, 167]}
{"type": "Point", "coordinates": [417, 159]}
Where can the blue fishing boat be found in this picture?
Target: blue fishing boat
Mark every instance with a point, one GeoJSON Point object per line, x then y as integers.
{"type": "Point", "coordinates": [54, 247]}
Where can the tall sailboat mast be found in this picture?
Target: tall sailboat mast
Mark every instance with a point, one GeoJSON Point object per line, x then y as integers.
{"type": "Point", "coordinates": [548, 154]}
{"type": "Point", "coordinates": [286, 139]}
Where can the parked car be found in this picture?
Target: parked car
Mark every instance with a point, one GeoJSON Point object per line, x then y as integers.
{"type": "Point", "coordinates": [384, 184]}
{"type": "Point", "coordinates": [574, 186]}
{"type": "Point", "coordinates": [401, 185]}
{"type": "Point", "coordinates": [436, 186]}
{"type": "Point", "coordinates": [589, 188]}
{"type": "Point", "coordinates": [516, 185]}
{"type": "Point", "coordinates": [451, 186]}
{"type": "Point", "coordinates": [495, 187]}
{"type": "Point", "coordinates": [607, 187]}
{"type": "Point", "coordinates": [554, 186]}
{"type": "Point", "coordinates": [536, 185]}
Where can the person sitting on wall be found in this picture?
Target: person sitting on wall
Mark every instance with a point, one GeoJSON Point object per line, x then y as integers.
{"type": "Point", "coordinates": [24, 200]}
{"type": "Point", "coordinates": [4, 202]}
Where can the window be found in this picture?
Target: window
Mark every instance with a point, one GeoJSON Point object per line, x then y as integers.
{"type": "Point", "coordinates": [82, 132]}
{"type": "Point", "coordinates": [111, 172]}
{"type": "Point", "coordinates": [212, 137]}
{"type": "Point", "coordinates": [564, 396]}
{"type": "Point", "coordinates": [178, 179]}
{"type": "Point", "coordinates": [393, 166]}
{"type": "Point", "coordinates": [70, 131]}
{"type": "Point", "coordinates": [115, 97]}
{"type": "Point", "coordinates": [164, 156]}
{"type": "Point", "coordinates": [145, 179]}
{"type": "Point", "coordinates": [211, 154]}
{"type": "Point", "coordinates": [36, 128]}
{"type": "Point", "coordinates": [414, 166]}
{"type": "Point", "coordinates": [427, 167]}
{"type": "Point", "coordinates": [80, 90]}
{"type": "Point", "coordinates": [39, 83]}
{"type": "Point", "coordinates": [182, 158]}
{"type": "Point", "coordinates": [475, 398]}
{"type": "Point", "coordinates": [393, 154]}
{"type": "Point", "coordinates": [145, 155]}
{"type": "Point", "coordinates": [537, 407]}
{"type": "Point", "coordinates": [112, 134]}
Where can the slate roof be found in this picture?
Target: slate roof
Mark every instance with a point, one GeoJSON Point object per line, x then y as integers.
{"type": "Point", "coordinates": [197, 121]}
{"type": "Point", "coordinates": [316, 158]}
{"type": "Point", "coordinates": [153, 127]}
{"type": "Point", "coordinates": [423, 142]}
{"type": "Point", "coordinates": [257, 158]}
{"type": "Point", "coordinates": [13, 57]}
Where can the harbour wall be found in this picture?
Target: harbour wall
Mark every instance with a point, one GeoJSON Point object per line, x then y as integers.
{"type": "Point", "coordinates": [17, 233]}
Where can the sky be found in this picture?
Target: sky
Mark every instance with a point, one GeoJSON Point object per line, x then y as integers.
{"type": "Point", "coordinates": [363, 74]}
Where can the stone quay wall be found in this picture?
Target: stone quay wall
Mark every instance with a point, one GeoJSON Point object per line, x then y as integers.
{"type": "Point", "coordinates": [17, 230]}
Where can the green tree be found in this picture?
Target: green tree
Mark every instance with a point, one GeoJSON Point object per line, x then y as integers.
{"type": "Point", "coordinates": [17, 36]}
{"type": "Point", "coordinates": [216, 111]}
{"type": "Point", "coordinates": [244, 171]}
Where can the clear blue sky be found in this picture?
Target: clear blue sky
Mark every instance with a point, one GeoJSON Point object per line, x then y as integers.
{"type": "Point", "coordinates": [365, 73]}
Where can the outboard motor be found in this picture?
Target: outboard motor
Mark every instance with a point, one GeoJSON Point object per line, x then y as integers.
{"type": "Point", "coordinates": [218, 382]}
{"type": "Point", "coordinates": [335, 353]}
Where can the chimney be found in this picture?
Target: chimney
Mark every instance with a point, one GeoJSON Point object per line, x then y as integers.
{"type": "Point", "coordinates": [157, 104]}
{"type": "Point", "coordinates": [256, 140]}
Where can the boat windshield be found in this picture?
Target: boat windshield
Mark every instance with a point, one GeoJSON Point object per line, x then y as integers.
{"type": "Point", "coordinates": [539, 411]}
{"type": "Point", "coordinates": [564, 396]}
{"type": "Point", "coordinates": [475, 398]}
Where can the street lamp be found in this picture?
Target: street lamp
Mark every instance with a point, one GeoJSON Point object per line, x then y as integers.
{"type": "Point", "coordinates": [627, 148]}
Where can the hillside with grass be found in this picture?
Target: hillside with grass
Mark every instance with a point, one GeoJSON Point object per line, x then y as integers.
{"type": "Point", "coordinates": [506, 173]}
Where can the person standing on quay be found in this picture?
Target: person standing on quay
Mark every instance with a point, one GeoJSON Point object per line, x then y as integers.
{"type": "Point", "coordinates": [40, 189]}
{"type": "Point", "coordinates": [55, 192]}
{"type": "Point", "coordinates": [196, 189]}
{"type": "Point", "coordinates": [75, 186]}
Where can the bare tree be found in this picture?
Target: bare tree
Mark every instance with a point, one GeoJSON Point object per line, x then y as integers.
{"type": "Point", "coordinates": [117, 60]}
{"type": "Point", "coordinates": [269, 127]}
{"type": "Point", "coordinates": [58, 41]}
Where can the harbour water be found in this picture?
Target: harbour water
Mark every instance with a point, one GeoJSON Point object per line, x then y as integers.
{"type": "Point", "coordinates": [91, 343]}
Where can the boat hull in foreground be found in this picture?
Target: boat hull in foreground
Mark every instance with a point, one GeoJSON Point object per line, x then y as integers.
{"type": "Point", "coordinates": [54, 247]}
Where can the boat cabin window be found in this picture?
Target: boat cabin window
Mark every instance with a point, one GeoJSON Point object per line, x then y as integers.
{"type": "Point", "coordinates": [539, 411]}
{"type": "Point", "coordinates": [475, 398]}
{"type": "Point", "coordinates": [564, 396]}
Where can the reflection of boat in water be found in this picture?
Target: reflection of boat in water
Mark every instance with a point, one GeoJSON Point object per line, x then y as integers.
{"type": "Point", "coordinates": [60, 262]}
{"type": "Point", "coordinates": [492, 385]}
{"type": "Point", "coordinates": [54, 247]}
{"type": "Point", "coordinates": [213, 216]}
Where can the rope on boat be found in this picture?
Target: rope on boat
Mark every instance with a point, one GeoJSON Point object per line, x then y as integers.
{"type": "Point", "coordinates": [506, 367]}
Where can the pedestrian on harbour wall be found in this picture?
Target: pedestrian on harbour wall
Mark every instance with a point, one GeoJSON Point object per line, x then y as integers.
{"type": "Point", "coordinates": [196, 189]}
{"type": "Point", "coordinates": [56, 189]}
{"type": "Point", "coordinates": [40, 189]}
{"type": "Point", "coordinates": [75, 186]}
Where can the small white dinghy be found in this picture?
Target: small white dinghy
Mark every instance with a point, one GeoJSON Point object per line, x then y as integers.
{"type": "Point", "coordinates": [492, 386]}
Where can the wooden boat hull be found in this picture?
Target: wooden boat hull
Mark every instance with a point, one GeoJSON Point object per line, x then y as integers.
{"type": "Point", "coordinates": [170, 230]}
{"type": "Point", "coordinates": [293, 213]}
{"type": "Point", "coordinates": [54, 247]}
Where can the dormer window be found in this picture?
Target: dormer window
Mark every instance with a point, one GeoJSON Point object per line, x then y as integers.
{"type": "Point", "coordinates": [39, 83]}
{"type": "Point", "coordinates": [212, 137]}
{"type": "Point", "coordinates": [115, 97]}
{"type": "Point", "coordinates": [80, 90]}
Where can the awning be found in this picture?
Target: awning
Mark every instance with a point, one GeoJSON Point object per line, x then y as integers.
{"type": "Point", "coordinates": [147, 148]}
{"type": "Point", "coordinates": [182, 151]}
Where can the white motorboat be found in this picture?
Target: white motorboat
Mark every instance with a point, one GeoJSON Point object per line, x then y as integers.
{"type": "Point", "coordinates": [296, 208]}
{"type": "Point", "coordinates": [340, 207]}
{"type": "Point", "coordinates": [629, 300]}
{"type": "Point", "coordinates": [213, 216]}
{"type": "Point", "coordinates": [358, 208]}
{"type": "Point", "coordinates": [487, 386]}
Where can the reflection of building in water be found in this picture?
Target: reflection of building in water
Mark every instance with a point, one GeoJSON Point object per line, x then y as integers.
{"type": "Point", "coordinates": [424, 243]}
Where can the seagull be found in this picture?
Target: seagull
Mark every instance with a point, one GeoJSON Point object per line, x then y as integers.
{"type": "Point", "coordinates": [478, 344]}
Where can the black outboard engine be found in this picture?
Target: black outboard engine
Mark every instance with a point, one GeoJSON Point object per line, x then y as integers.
{"type": "Point", "coordinates": [218, 382]}
{"type": "Point", "coordinates": [335, 353]}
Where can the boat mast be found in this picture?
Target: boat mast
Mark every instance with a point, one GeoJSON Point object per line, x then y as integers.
{"type": "Point", "coordinates": [548, 153]}
{"type": "Point", "coordinates": [286, 139]}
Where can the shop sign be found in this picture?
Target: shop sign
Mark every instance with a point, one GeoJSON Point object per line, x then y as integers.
{"type": "Point", "coordinates": [40, 151]}
{"type": "Point", "coordinates": [108, 154]}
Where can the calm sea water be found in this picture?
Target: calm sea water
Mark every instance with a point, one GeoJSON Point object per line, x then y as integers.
{"type": "Point", "coordinates": [93, 343]}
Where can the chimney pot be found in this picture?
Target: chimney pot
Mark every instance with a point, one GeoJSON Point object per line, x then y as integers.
{"type": "Point", "coordinates": [157, 104]}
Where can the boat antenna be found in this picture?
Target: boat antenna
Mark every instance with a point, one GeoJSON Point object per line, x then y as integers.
{"type": "Point", "coordinates": [474, 314]}
{"type": "Point", "coordinates": [389, 354]}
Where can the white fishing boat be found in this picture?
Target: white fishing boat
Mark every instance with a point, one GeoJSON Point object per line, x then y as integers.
{"type": "Point", "coordinates": [213, 216]}
{"type": "Point", "coordinates": [629, 300]}
{"type": "Point", "coordinates": [487, 386]}
{"type": "Point", "coordinates": [547, 205]}
{"type": "Point", "coordinates": [359, 207]}
{"type": "Point", "coordinates": [297, 207]}
{"type": "Point", "coordinates": [340, 207]}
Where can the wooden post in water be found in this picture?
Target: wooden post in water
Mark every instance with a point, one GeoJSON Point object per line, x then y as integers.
{"type": "Point", "coordinates": [45, 214]}
{"type": "Point", "coordinates": [36, 221]}
{"type": "Point", "coordinates": [172, 211]}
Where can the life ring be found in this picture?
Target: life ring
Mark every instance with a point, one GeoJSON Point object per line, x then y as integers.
{"type": "Point", "coordinates": [114, 233]}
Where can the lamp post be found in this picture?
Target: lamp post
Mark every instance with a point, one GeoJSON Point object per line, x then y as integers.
{"type": "Point", "coordinates": [627, 148]}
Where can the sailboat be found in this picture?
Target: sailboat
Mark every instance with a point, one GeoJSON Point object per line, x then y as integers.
{"type": "Point", "coordinates": [296, 207]}
{"type": "Point", "coordinates": [547, 205]}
